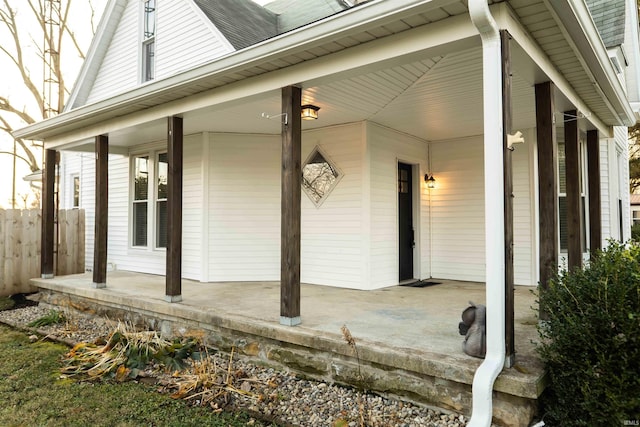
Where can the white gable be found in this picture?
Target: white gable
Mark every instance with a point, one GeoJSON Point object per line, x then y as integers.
{"type": "Point", "coordinates": [185, 38]}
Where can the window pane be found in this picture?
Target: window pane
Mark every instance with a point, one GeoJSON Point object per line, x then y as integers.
{"type": "Point", "coordinates": [141, 177]}
{"type": "Point", "coordinates": [148, 60]}
{"type": "Point", "coordinates": [319, 177]}
{"type": "Point", "coordinates": [149, 18]}
{"type": "Point", "coordinates": [163, 169]}
{"type": "Point", "coordinates": [562, 208]}
{"type": "Point", "coordinates": [140, 224]}
{"type": "Point", "coordinates": [161, 225]}
{"type": "Point", "coordinates": [562, 170]}
{"type": "Point", "coordinates": [76, 191]}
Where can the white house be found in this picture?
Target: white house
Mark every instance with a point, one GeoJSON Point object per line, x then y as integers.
{"type": "Point", "coordinates": [199, 105]}
{"type": "Point", "coordinates": [403, 89]}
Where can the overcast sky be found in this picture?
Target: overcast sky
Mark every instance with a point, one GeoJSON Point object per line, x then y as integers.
{"type": "Point", "coordinates": [11, 83]}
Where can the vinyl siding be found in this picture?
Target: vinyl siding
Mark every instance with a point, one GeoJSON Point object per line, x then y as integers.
{"type": "Point", "coordinates": [606, 191]}
{"type": "Point", "coordinates": [332, 238]}
{"type": "Point", "coordinates": [387, 148]}
{"type": "Point", "coordinates": [181, 43]}
{"type": "Point", "coordinates": [458, 210]}
{"type": "Point", "coordinates": [244, 207]}
{"type": "Point", "coordinates": [523, 217]}
{"type": "Point", "coordinates": [192, 207]}
{"type": "Point", "coordinates": [185, 38]}
{"type": "Point", "coordinates": [119, 68]}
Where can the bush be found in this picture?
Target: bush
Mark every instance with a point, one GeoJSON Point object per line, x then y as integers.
{"type": "Point", "coordinates": [635, 231]}
{"type": "Point", "coordinates": [591, 341]}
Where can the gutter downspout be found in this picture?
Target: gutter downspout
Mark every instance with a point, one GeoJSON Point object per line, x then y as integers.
{"type": "Point", "coordinates": [493, 363]}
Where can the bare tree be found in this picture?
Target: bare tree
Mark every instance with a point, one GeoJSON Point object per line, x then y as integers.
{"type": "Point", "coordinates": [39, 32]}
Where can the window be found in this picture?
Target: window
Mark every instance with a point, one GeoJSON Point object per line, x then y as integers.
{"type": "Point", "coordinates": [149, 200]}
{"type": "Point", "coordinates": [319, 176]}
{"type": "Point", "coordinates": [562, 195]}
{"type": "Point", "coordinates": [636, 217]}
{"type": "Point", "coordinates": [148, 40]}
{"type": "Point", "coordinates": [76, 191]}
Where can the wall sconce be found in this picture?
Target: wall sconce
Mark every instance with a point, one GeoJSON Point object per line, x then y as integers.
{"type": "Point", "coordinates": [309, 112]}
{"type": "Point", "coordinates": [430, 180]}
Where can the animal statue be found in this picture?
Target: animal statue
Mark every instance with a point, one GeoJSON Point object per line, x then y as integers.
{"type": "Point", "coordinates": [474, 329]}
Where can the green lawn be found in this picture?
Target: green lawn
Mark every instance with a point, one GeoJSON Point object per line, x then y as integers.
{"type": "Point", "coordinates": [33, 395]}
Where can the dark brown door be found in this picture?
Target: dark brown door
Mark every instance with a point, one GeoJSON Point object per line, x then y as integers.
{"type": "Point", "coordinates": [405, 222]}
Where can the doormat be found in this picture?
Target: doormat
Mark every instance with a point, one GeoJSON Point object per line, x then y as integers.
{"type": "Point", "coordinates": [420, 284]}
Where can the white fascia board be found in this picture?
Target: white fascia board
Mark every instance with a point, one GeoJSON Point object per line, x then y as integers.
{"type": "Point", "coordinates": [506, 19]}
{"type": "Point", "coordinates": [343, 24]}
{"type": "Point", "coordinates": [455, 33]}
{"type": "Point", "coordinates": [97, 50]}
{"type": "Point", "coordinates": [574, 17]}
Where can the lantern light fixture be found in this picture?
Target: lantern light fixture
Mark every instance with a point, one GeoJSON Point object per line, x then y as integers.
{"type": "Point", "coordinates": [309, 112]}
{"type": "Point", "coordinates": [430, 180]}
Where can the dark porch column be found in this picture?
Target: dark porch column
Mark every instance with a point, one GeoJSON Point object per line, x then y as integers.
{"type": "Point", "coordinates": [174, 210]}
{"type": "Point", "coordinates": [595, 214]}
{"type": "Point", "coordinates": [547, 182]}
{"type": "Point", "coordinates": [48, 216]}
{"type": "Point", "coordinates": [102, 212]}
{"type": "Point", "coordinates": [574, 208]}
{"type": "Point", "coordinates": [508, 200]}
{"type": "Point", "coordinates": [290, 210]}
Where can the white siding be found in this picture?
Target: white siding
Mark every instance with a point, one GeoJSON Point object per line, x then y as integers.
{"type": "Point", "coordinates": [88, 198]}
{"type": "Point", "coordinates": [244, 207]}
{"type": "Point", "coordinates": [606, 202]}
{"type": "Point", "coordinates": [621, 135]}
{"type": "Point", "coordinates": [387, 148]}
{"type": "Point", "coordinates": [332, 236]}
{"type": "Point", "coordinates": [244, 210]}
{"type": "Point", "coordinates": [523, 218]}
{"type": "Point", "coordinates": [185, 38]}
{"type": "Point", "coordinates": [192, 208]}
{"type": "Point", "coordinates": [119, 69]}
{"type": "Point", "coordinates": [458, 210]}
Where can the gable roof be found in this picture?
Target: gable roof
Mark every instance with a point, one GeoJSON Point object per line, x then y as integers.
{"type": "Point", "coordinates": [242, 22]}
{"type": "Point", "coordinates": [609, 17]}
{"type": "Point", "coordinates": [296, 13]}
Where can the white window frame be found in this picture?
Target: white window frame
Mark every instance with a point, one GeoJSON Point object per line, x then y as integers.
{"type": "Point", "coordinates": [148, 41]}
{"type": "Point", "coordinates": [152, 199]}
{"type": "Point", "coordinates": [582, 155]}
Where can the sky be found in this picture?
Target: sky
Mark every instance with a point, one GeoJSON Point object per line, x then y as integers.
{"type": "Point", "coordinates": [11, 85]}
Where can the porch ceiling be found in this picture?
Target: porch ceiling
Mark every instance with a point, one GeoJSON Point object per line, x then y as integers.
{"type": "Point", "coordinates": [434, 95]}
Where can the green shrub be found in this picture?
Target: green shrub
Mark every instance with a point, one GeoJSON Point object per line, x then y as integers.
{"type": "Point", "coordinates": [591, 341]}
{"type": "Point", "coordinates": [635, 232]}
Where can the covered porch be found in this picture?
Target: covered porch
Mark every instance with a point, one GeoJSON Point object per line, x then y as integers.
{"type": "Point", "coordinates": [407, 337]}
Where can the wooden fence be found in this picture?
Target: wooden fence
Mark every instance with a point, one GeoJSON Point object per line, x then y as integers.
{"type": "Point", "coordinates": [20, 235]}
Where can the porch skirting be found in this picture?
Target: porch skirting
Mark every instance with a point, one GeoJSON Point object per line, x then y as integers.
{"type": "Point", "coordinates": [424, 377]}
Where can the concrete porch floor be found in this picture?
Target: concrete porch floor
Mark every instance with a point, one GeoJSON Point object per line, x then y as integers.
{"type": "Point", "coordinates": [407, 337]}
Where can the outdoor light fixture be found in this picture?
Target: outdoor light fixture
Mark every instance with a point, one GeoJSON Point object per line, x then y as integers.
{"type": "Point", "coordinates": [430, 180]}
{"type": "Point", "coordinates": [309, 112]}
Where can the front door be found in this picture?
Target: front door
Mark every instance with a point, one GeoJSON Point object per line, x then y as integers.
{"type": "Point", "coordinates": [405, 222]}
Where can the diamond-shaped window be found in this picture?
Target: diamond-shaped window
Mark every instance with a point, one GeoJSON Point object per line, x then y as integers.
{"type": "Point", "coordinates": [319, 176]}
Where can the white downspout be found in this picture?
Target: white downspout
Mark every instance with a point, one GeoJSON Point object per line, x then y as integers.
{"type": "Point", "coordinates": [493, 363]}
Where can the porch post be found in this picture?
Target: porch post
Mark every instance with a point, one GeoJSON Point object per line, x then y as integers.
{"type": "Point", "coordinates": [290, 210]}
{"type": "Point", "coordinates": [174, 210]}
{"type": "Point", "coordinates": [547, 183]}
{"type": "Point", "coordinates": [102, 212]}
{"type": "Point", "coordinates": [48, 214]}
{"type": "Point", "coordinates": [508, 200]}
{"type": "Point", "coordinates": [595, 215]}
{"type": "Point", "coordinates": [574, 201]}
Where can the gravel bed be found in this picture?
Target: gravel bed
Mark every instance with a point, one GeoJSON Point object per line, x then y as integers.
{"type": "Point", "coordinates": [267, 393]}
